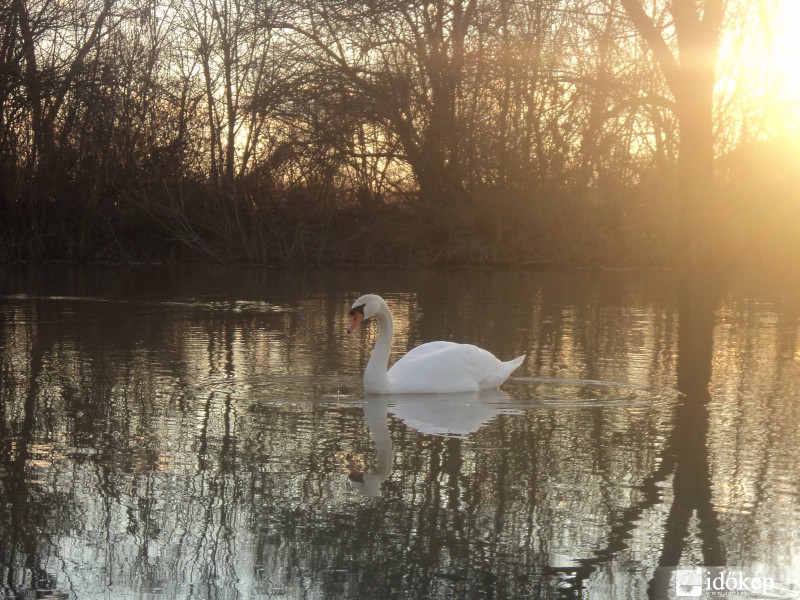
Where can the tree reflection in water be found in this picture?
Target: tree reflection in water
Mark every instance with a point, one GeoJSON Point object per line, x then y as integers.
{"type": "Point", "coordinates": [687, 449]}
{"type": "Point", "coordinates": [183, 438]}
{"type": "Point", "coordinates": [684, 457]}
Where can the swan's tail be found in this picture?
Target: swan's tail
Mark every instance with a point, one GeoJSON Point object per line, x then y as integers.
{"type": "Point", "coordinates": [502, 372]}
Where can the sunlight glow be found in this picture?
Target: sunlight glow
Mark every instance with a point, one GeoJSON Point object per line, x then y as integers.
{"type": "Point", "coordinates": [759, 75]}
{"type": "Point", "coordinates": [785, 58]}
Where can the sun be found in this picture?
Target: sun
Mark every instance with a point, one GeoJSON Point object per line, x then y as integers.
{"type": "Point", "coordinates": [785, 66]}
{"type": "Point", "coordinates": [759, 70]}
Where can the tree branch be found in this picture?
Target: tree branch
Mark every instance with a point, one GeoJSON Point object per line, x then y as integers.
{"type": "Point", "coordinates": [655, 41]}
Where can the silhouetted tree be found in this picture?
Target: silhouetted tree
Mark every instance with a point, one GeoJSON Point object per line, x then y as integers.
{"type": "Point", "coordinates": [691, 75]}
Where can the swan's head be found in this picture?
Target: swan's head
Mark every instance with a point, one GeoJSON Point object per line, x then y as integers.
{"type": "Point", "coordinates": [364, 308]}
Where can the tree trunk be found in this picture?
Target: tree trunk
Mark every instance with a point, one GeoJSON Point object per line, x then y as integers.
{"type": "Point", "coordinates": [696, 172]}
{"type": "Point", "coordinates": [691, 78]}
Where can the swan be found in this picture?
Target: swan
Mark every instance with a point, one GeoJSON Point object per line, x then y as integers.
{"type": "Point", "coordinates": [432, 368]}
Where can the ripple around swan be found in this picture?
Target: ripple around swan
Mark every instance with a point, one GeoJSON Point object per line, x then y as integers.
{"type": "Point", "coordinates": [519, 394]}
{"type": "Point", "coordinates": [233, 306]}
{"type": "Point", "coordinates": [547, 392]}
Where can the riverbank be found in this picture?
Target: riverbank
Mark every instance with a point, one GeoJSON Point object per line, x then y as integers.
{"type": "Point", "coordinates": [556, 231]}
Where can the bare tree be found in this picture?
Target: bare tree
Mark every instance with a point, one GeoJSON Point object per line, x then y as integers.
{"type": "Point", "coordinates": [690, 74]}
{"type": "Point", "coordinates": [238, 127]}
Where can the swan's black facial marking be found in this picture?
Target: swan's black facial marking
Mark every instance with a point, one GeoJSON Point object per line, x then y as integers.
{"type": "Point", "coordinates": [357, 312]}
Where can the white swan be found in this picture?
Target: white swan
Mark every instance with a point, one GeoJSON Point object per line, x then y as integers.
{"type": "Point", "coordinates": [432, 368]}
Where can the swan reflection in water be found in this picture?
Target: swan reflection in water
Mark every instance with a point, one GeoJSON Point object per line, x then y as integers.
{"type": "Point", "coordinates": [451, 415]}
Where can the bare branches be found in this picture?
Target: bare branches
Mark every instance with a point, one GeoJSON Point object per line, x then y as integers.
{"type": "Point", "coordinates": [655, 40]}
{"type": "Point", "coordinates": [243, 108]}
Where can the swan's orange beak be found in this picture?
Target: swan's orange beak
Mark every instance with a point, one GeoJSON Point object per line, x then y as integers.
{"type": "Point", "coordinates": [358, 316]}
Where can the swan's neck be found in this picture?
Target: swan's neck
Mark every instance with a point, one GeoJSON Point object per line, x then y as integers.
{"type": "Point", "coordinates": [376, 381]}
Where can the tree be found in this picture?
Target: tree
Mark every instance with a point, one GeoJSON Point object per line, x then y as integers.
{"type": "Point", "coordinates": [401, 65]}
{"type": "Point", "coordinates": [690, 76]}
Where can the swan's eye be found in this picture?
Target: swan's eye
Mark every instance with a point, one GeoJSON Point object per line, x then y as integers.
{"type": "Point", "coordinates": [356, 309]}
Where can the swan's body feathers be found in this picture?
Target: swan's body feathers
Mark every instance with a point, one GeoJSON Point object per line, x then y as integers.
{"type": "Point", "coordinates": [445, 367]}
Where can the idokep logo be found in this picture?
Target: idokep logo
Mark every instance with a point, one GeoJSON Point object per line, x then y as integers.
{"type": "Point", "coordinates": [689, 582]}
{"type": "Point", "coordinates": [720, 582]}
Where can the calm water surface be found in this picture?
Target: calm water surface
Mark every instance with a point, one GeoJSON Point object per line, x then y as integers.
{"type": "Point", "coordinates": [201, 433]}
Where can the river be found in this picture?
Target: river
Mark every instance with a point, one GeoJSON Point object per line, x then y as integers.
{"type": "Point", "coordinates": [197, 432]}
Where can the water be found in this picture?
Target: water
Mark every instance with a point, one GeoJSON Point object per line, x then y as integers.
{"type": "Point", "coordinates": [201, 433]}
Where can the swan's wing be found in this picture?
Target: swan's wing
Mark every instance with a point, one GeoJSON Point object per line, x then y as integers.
{"type": "Point", "coordinates": [443, 367]}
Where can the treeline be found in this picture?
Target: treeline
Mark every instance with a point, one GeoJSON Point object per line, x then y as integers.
{"type": "Point", "coordinates": [288, 131]}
